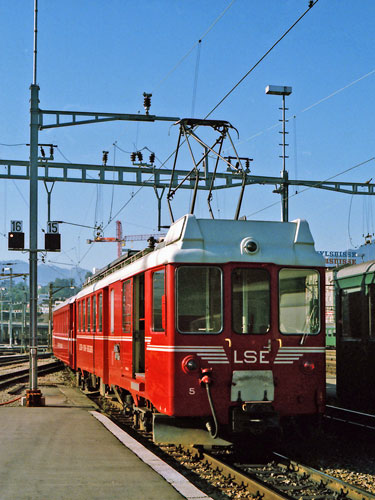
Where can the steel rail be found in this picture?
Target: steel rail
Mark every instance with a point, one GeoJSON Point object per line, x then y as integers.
{"type": "Point", "coordinates": [261, 489]}
{"type": "Point", "coordinates": [350, 417]}
{"type": "Point", "coordinates": [17, 376]}
{"type": "Point", "coordinates": [346, 490]}
{"type": "Point", "coordinates": [254, 486]}
{"type": "Point", "coordinates": [20, 358]}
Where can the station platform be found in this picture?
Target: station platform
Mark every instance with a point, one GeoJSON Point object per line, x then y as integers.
{"type": "Point", "coordinates": [69, 450]}
{"type": "Point", "coordinates": [331, 388]}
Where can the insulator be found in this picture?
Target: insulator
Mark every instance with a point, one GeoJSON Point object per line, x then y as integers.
{"type": "Point", "coordinates": [147, 102]}
{"type": "Point", "coordinates": [51, 151]}
{"type": "Point", "coordinates": [133, 157]}
{"type": "Point", "coordinates": [311, 3]}
{"type": "Point", "coordinates": [105, 157]}
{"type": "Point", "coordinates": [42, 152]}
{"type": "Point", "coordinates": [152, 157]}
{"type": "Point", "coordinates": [140, 156]}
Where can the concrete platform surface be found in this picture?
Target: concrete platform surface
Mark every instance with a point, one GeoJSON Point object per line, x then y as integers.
{"type": "Point", "coordinates": [61, 451]}
{"type": "Point", "coordinates": [331, 386]}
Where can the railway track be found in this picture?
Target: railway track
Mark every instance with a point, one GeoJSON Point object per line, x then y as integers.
{"type": "Point", "coordinates": [283, 479]}
{"type": "Point", "coordinates": [280, 479]}
{"type": "Point", "coordinates": [20, 358]}
{"type": "Point", "coordinates": [350, 417]}
{"type": "Point", "coordinates": [17, 376]}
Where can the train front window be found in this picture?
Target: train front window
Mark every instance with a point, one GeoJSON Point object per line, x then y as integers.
{"type": "Point", "coordinates": [299, 301]}
{"type": "Point", "coordinates": [199, 299]}
{"type": "Point", "coordinates": [250, 301]}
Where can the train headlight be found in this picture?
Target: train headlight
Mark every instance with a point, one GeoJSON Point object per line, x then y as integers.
{"type": "Point", "coordinates": [249, 246]}
{"type": "Point", "coordinates": [189, 364]}
{"type": "Point", "coordinates": [308, 366]}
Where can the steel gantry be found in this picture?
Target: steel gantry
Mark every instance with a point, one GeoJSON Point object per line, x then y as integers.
{"type": "Point", "coordinates": [149, 176]}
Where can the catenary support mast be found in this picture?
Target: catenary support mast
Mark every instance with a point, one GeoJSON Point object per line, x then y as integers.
{"type": "Point", "coordinates": [33, 396]}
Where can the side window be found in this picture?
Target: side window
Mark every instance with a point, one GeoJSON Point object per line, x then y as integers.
{"type": "Point", "coordinates": [112, 310]}
{"type": "Point", "coordinates": [199, 299]}
{"type": "Point", "coordinates": [371, 295]}
{"type": "Point", "coordinates": [250, 300]}
{"type": "Point", "coordinates": [84, 315]}
{"type": "Point", "coordinates": [94, 313]}
{"type": "Point", "coordinates": [299, 301]}
{"type": "Point", "coordinates": [79, 317]}
{"type": "Point", "coordinates": [88, 314]}
{"type": "Point", "coordinates": [351, 318]}
{"type": "Point", "coordinates": [100, 313]}
{"type": "Point", "coordinates": [126, 306]}
{"type": "Point", "coordinates": [157, 297]}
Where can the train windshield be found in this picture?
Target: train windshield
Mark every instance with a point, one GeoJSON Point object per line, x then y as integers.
{"type": "Point", "coordinates": [299, 301]}
{"type": "Point", "coordinates": [250, 301]}
{"type": "Point", "coordinates": [199, 299]}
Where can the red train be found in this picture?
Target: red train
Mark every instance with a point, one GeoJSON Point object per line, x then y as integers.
{"type": "Point", "coordinates": [214, 334]}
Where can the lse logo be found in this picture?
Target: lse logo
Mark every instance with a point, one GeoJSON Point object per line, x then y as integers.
{"type": "Point", "coordinates": [251, 357]}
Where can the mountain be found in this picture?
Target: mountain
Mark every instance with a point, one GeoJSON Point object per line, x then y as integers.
{"type": "Point", "coordinates": [46, 273]}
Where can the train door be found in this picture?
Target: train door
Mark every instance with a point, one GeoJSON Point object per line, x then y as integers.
{"type": "Point", "coordinates": [127, 317]}
{"type": "Point", "coordinates": [72, 336]}
{"type": "Point", "coordinates": [253, 343]}
{"type": "Point", "coordinates": [138, 325]}
{"type": "Point", "coordinates": [103, 315]}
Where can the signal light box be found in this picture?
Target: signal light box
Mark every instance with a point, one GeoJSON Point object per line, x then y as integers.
{"type": "Point", "coordinates": [52, 242]}
{"type": "Point", "coordinates": [16, 236]}
{"type": "Point", "coordinates": [16, 241]}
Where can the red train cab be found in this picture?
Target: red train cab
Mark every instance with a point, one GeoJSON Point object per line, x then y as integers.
{"type": "Point", "coordinates": [216, 333]}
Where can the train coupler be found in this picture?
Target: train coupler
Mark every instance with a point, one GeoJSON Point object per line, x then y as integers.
{"type": "Point", "coordinates": [255, 418]}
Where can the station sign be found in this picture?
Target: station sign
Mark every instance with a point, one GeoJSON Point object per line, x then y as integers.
{"type": "Point", "coordinates": [16, 236]}
{"type": "Point", "coordinates": [335, 258]}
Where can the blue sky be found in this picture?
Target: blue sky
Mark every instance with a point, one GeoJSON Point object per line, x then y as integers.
{"type": "Point", "coordinates": [102, 55]}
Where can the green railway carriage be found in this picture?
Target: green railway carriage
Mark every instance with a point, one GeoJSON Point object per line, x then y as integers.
{"type": "Point", "coordinates": [355, 343]}
{"type": "Point", "coordinates": [330, 337]}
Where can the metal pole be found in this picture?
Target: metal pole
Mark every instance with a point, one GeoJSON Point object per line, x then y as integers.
{"type": "Point", "coordinates": [284, 174]}
{"type": "Point", "coordinates": [50, 318]}
{"type": "Point", "coordinates": [33, 397]}
{"type": "Point", "coordinates": [35, 40]}
{"type": "Point", "coordinates": [11, 309]}
{"type": "Point", "coordinates": [33, 259]}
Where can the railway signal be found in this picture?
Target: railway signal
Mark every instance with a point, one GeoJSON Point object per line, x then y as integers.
{"type": "Point", "coordinates": [16, 236]}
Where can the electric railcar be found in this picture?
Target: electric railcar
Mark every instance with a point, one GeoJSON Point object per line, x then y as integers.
{"type": "Point", "coordinates": [216, 333]}
{"type": "Point", "coordinates": [355, 346]}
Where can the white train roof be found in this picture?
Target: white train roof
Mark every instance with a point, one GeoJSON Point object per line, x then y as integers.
{"type": "Point", "coordinates": [191, 240]}
{"type": "Point", "coordinates": [356, 269]}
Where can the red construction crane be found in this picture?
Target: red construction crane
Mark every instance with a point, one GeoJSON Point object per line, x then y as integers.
{"type": "Point", "coordinates": [120, 240]}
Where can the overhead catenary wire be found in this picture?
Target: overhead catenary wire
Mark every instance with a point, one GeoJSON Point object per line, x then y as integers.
{"type": "Point", "coordinates": [196, 78]}
{"type": "Point", "coordinates": [349, 216]}
{"type": "Point", "coordinates": [158, 85]}
{"type": "Point", "coordinates": [260, 60]}
{"type": "Point", "coordinates": [308, 108]}
{"type": "Point", "coordinates": [233, 88]}
{"type": "Point", "coordinates": [318, 183]}
{"type": "Point", "coordinates": [62, 154]}
{"type": "Point", "coordinates": [113, 177]}
{"type": "Point", "coordinates": [248, 73]}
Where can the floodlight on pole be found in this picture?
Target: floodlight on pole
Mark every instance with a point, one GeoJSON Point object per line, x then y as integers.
{"type": "Point", "coordinates": [284, 188]}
